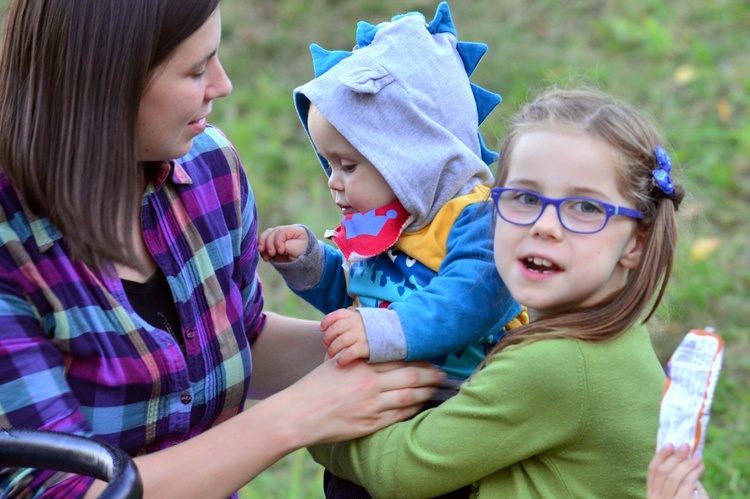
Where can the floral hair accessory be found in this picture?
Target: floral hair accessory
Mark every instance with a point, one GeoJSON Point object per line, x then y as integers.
{"type": "Point", "coordinates": [662, 179]}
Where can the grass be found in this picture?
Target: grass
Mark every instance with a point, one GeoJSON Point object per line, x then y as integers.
{"type": "Point", "coordinates": [687, 63]}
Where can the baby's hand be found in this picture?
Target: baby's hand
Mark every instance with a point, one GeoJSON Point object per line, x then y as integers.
{"type": "Point", "coordinates": [284, 243]}
{"type": "Point", "coordinates": [673, 474]}
{"type": "Point", "coordinates": [344, 331]}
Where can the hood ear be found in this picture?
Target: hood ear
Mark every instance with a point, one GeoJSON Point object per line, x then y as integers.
{"type": "Point", "coordinates": [367, 79]}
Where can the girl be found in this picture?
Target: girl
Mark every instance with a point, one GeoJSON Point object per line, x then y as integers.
{"type": "Point", "coordinates": [567, 405]}
{"type": "Point", "coordinates": [128, 288]}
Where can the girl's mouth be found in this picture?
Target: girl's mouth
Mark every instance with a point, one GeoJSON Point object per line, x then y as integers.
{"type": "Point", "coordinates": [542, 265]}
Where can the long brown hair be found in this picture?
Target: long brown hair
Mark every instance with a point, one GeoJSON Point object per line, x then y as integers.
{"type": "Point", "coordinates": [71, 79]}
{"type": "Point", "coordinates": [632, 137]}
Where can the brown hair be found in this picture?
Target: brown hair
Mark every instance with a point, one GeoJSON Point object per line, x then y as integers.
{"type": "Point", "coordinates": [71, 79]}
{"type": "Point", "coordinates": [632, 137]}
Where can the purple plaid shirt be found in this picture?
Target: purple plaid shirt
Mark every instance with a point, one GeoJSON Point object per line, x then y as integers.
{"type": "Point", "coordinates": [75, 357]}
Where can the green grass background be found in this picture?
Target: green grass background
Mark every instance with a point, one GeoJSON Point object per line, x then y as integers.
{"type": "Point", "coordinates": [686, 62]}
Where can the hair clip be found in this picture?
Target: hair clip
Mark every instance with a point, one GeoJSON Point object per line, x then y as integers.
{"type": "Point", "coordinates": [661, 179]}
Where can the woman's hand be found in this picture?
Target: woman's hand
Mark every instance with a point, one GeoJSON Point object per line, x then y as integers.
{"type": "Point", "coordinates": [335, 403]}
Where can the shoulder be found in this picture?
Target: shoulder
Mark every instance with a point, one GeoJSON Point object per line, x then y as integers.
{"type": "Point", "coordinates": [545, 367]}
{"type": "Point", "coordinates": [551, 365]}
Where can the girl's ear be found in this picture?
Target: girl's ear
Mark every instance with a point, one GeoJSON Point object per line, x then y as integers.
{"type": "Point", "coordinates": [634, 250]}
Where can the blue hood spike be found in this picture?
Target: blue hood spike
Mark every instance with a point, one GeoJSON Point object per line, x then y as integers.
{"type": "Point", "coordinates": [486, 101]}
{"type": "Point", "coordinates": [323, 59]}
{"type": "Point", "coordinates": [443, 22]}
{"type": "Point", "coordinates": [471, 53]}
{"type": "Point", "coordinates": [365, 33]}
{"type": "Point", "coordinates": [403, 98]}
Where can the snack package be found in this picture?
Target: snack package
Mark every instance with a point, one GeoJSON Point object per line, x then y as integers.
{"type": "Point", "coordinates": [692, 372]}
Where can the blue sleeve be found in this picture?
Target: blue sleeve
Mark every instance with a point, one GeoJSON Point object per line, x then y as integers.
{"type": "Point", "coordinates": [466, 300]}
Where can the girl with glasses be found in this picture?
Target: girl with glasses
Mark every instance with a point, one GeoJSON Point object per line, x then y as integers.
{"type": "Point", "coordinates": [568, 404]}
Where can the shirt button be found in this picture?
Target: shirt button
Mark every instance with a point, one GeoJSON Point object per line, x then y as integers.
{"type": "Point", "coordinates": [185, 398]}
{"type": "Point", "coordinates": [190, 334]}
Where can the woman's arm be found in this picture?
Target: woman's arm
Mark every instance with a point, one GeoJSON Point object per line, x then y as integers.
{"type": "Point", "coordinates": [329, 404]}
{"type": "Point", "coordinates": [295, 344]}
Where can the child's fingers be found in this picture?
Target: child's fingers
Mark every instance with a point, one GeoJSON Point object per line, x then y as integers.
{"type": "Point", "coordinates": [351, 353]}
{"type": "Point", "coordinates": [660, 457]}
{"type": "Point", "coordinates": [267, 242]}
{"type": "Point", "coordinates": [673, 472]}
{"type": "Point", "coordinates": [338, 344]}
{"type": "Point", "coordinates": [332, 318]}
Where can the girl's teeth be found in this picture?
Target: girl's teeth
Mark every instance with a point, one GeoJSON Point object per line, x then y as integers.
{"type": "Point", "coordinates": [539, 261]}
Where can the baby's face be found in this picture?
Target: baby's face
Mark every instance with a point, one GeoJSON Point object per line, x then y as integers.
{"type": "Point", "coordinates": [356, 185]}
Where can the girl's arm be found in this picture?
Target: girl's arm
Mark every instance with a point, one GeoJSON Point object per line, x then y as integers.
{"type": "Point", "coordinates": [494, 421]}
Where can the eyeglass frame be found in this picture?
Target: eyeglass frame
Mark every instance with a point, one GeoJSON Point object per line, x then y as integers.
{"type": "Point", "coordinates": [610, 209]}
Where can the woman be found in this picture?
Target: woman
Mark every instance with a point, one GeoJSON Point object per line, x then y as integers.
{"type": "Point", "coordinates": [128, 283]}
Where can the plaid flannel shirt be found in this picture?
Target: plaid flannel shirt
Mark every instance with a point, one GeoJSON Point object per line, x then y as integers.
{"type": "Point", "coordinates": [75, 357]}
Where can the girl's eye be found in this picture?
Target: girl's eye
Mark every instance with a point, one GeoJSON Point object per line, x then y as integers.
{"type": "Point", "coordinates": [528, 199]}
{"type": "Point", "coordinates": [588, 207]}
{"type": "Point", "coordinates": [347, 167]}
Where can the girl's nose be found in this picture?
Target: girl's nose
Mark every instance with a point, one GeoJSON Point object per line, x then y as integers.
{"type": "Point", "coordinates": [548, 224]}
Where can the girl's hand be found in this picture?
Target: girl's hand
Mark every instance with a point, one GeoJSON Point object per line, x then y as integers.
{"type": "Point", "coordinates": [344, 331]}
{"type": "Point", "coordinates": [284, 243]}
{"type": "Point", "coordinates": [673, 474]}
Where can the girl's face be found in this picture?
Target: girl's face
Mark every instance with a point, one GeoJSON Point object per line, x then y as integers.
{"type": "Point", "coordinates": [356, 185]}
{"type": "Point", "coordinates": [546, 267]}
{"type": "Point", "coordinates": [178, 98]}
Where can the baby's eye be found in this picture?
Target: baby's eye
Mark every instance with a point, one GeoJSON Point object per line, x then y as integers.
{"type": "Point", "coordinates": [348, 166]}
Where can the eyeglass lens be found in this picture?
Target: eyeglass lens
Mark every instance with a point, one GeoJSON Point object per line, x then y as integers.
{"type": "Point", "coordinates": [576, 214]}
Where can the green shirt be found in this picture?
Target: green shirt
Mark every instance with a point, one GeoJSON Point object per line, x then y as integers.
{"type": "Point", "coordinates": [555, 418]}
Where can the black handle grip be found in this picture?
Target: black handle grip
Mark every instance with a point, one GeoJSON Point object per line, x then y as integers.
{"type": "Point", "coordinates": [28, 448]}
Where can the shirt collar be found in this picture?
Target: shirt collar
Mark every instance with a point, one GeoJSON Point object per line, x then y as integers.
{"type": "Point", "coordinates": [171, 170]}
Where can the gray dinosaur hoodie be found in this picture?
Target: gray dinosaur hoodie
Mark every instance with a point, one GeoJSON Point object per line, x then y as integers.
{"type": "Point", "coordinates": [403, 99]}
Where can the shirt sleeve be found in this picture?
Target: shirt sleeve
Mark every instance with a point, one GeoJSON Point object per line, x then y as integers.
{"type": "Point", "coordinates": [34, 393]}
{"type": "Point", "coordinates": [499, 417]}
{"type": "Point", "coordinates": [445, 315]}
{"type": "Point", "coordinates": [331, 292]}
{"type": "Point", "coordinates": [251, 287]}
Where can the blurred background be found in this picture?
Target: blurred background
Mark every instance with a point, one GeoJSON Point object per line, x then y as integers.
{"type": "Point", "coordinates": [686, 62]}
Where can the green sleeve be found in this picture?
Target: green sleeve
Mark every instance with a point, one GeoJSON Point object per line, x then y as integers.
{"type": "Point", "coordinates": [524, 401]}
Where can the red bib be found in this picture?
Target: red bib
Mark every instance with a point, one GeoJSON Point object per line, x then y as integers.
{"type": "Point", "coordinates": [363, 235]}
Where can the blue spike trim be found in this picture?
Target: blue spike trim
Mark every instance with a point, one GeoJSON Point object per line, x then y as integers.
{"type": "Point", "coordinates": [470, 52]}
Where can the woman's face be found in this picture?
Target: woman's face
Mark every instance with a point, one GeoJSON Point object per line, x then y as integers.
{"type": "Point", "coordinates": [178, 97]}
